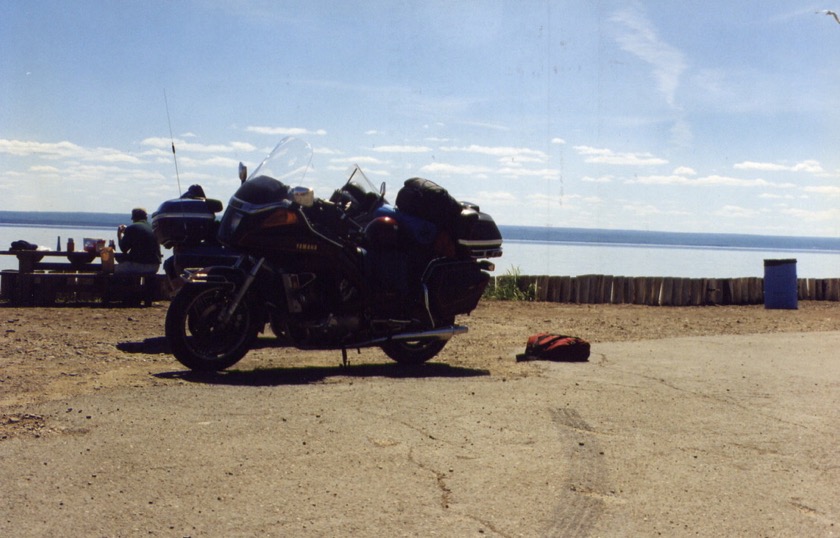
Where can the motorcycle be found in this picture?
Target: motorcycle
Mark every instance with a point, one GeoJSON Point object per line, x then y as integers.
{"type": "Point", "coordinates": [348, 272]}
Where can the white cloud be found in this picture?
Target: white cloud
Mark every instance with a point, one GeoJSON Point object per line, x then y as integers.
{"type": "Point", "coordinates": [183, 145]}
{"type": "Point", "coordinates": [358, 160]}
{"type": "Point", "coordinates": [497, 196]}
{"type": "Point", "coordinates": [402, 149]}
{"type": "Point", "coordinates": [774, 196]}
{"type": "Point", "coordinates": [65, 150]}
{"type": "Point", "coordinates": [548, 173]}
{"type": "Point", "coordinates": [599, 179]}
{"type": "Point", "coordinates": [44, 169]}
{"type": "Point", "coordinates": [706, 181]}
{"type": "Point", "coordinates": [639, 37]}
{"type": "Point", "coordinates": [684, 171]}
{"type": "Point", "coordinates": [498, 151]}
{"type": "Point", "coordinates": [681, 133]}
{"type": "Point", "coordinates": [213, 160]}
{"type": "Point", "coordinates": [518, 160]}
{"type": "Point", "coordinates": [284, 131]}
{"type": "Point", "coordinates": [826, 215]}
{"type": "Point", "coordinates": [642, 210]}
{"type": "Point", "coordinates": [243, 146]}
{"type": "Point", "coordinates": [23, 148]}
{"type": "Point", "coordinates": [828, 190]}
{"type": "Point", "coordinates": [163, 146]}
{"type": "Point", "coordinates": [646, 210]}
{"type": "Point", "coordinates": [736, 211]}
{"type": "Point", "coordinates": [810, 166]}
{"type": "Point", "coordinates": [443, 168]}
{"type": "Point", "coordinates": [113, 156]}
{"type": "Point", "coordinates": [607, 156]}
{"type": "Point", "coordinates": [557, 141]}
{"type": "Point", "coordinates": [483, 125]}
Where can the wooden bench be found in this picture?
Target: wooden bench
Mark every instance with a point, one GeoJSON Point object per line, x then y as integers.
{"type": "Point", "coordinates": [42, 281]}
{"type": "Point", "coordinates": [45, 289]}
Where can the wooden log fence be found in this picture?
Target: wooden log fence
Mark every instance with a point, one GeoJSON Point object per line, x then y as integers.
{"type": "Point", "coordinates": [662, 291]}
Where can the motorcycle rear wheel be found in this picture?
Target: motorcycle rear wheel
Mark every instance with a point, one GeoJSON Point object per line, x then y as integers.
{"type": "Point", "coordinates": [198, 339]}
{"type": "Point", "coordinates": [412, 351]}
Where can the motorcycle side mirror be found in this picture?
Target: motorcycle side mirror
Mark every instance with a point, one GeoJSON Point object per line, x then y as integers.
{"type": "Point", "coordinates": [243, 172]}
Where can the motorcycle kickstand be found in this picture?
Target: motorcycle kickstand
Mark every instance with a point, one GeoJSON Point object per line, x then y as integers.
{"type": "Point", "coordinates": [345, 362]}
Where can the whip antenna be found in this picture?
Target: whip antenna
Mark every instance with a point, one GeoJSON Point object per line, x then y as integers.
{"type": "Point", "coordinates": [172, 138]}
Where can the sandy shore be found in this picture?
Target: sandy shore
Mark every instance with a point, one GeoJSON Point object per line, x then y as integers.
{"type": "Point", "coordinates": [680, 411]}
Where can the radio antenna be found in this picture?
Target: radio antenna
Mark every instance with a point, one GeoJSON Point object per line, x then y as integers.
{"type": "Point", "coordinates": [172, 138]}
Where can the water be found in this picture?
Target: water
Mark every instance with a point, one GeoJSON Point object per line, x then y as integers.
{"type": "Point", "coordinates": [582, 253]}
{"type": "Point", "coordinates": [645, 260]}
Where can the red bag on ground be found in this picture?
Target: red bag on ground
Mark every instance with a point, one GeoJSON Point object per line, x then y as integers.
{"type": "Point", "coordinates": [555, 347]}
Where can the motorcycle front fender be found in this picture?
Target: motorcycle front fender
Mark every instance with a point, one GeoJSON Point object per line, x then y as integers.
{"type": "Point", "coordinates": [231, 279]}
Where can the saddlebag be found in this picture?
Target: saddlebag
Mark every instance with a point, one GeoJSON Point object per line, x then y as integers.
{"type": "Point", "coordinates": [455, 287]}
{"type": "Point", "coordinates": [185, 221]}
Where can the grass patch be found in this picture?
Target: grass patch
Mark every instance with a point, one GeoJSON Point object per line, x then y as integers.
{"type": "Point", "coordinates": [510, 287]}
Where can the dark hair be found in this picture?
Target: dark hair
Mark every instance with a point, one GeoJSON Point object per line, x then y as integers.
{"type": "Point", "coordinates": [138, 213]}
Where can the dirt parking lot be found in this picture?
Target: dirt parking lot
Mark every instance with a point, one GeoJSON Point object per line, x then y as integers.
{"type": "Point", "coordinates": [685, 421]}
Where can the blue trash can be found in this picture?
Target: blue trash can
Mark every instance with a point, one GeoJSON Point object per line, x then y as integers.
{"type": "Point", "coordinates": [781, 290]}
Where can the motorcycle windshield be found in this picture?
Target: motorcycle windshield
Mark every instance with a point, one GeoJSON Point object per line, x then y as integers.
{"type": "Point", "coordinates": [288, 162]}
{"type": "Point", "coordinates": [357, 178]}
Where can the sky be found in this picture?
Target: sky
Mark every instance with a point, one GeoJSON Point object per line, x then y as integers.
{"type": "Point", "coordinates": [712, 116]}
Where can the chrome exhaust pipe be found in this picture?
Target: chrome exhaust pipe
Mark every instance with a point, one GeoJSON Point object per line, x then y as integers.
{"type": "Point", "coordinates": [442, 333]}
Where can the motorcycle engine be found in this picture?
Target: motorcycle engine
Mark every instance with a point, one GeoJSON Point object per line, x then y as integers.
{"type": "Point", "coordinates": [314, 323]}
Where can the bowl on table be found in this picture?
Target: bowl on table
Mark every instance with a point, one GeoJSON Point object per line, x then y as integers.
{"type": "Point", "coordinates": [81, 258]}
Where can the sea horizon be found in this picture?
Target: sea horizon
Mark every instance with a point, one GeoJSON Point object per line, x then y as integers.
{"type": "Point", "coordinates": [573, 251]}
{"type": "Point", "coordinates": [516, 233]}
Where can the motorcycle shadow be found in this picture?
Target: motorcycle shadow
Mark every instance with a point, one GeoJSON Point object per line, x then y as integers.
{"type": "Point", "coordinates": [149, 346]}
{"type": "Point", "coordinates": [303, 375]}
{"type": "Point", "coordinates": [158, 345]}
{"type": "Point", "coordinates": [297, 375]}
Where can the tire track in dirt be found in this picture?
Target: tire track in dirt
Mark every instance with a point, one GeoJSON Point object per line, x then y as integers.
{"type": "Point", "coordinates": [582, 500]}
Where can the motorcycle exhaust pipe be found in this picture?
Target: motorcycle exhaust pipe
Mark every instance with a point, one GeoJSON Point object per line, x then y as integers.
{"type": "Point", "coordinates": [442, 333]}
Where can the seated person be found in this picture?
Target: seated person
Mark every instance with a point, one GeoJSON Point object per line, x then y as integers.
{"type": "Point", "coordinates": [138, 242]}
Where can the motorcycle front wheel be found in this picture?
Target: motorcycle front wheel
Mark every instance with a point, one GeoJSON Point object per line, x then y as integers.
{"type": "Point", "coordinates": [197, 335]}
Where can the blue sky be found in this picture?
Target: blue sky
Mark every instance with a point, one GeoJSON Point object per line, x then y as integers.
{"type": "Point", "coordinates": [711, 116]}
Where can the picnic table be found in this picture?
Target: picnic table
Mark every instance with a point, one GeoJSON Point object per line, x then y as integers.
{"type": "Point", "coordinates": [45, 276]}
